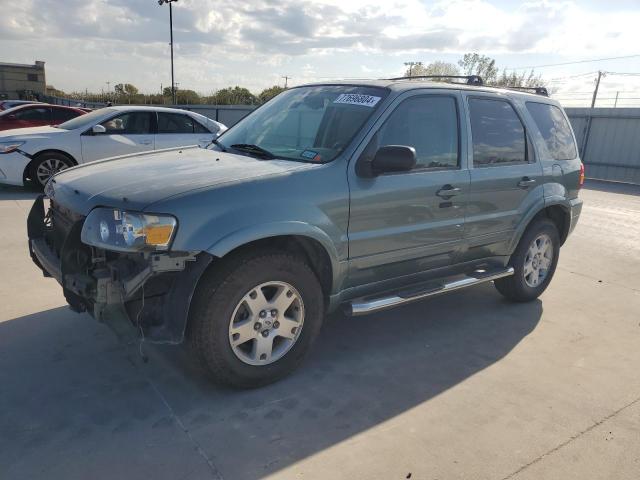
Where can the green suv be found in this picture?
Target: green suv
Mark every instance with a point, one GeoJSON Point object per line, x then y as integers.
{"type": "Point", "coordinates": [355, 195]}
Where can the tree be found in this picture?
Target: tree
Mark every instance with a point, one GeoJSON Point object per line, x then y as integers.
{"type": "Point", "coordinates": [125, 89]}
{"type": "Point", "coordinates": [187, 96]}
{"type": "Point", "coordinates": [54, 92]}
{"type": "Point", "coordinates": [475, 64]}
{"type": "Point", "coordinates": [234, 96]}
{"type": "Point", "coordinates": [484, 66]}
{"type": "Point", "coordinates": [434, 68]}
{"type": "Point", "coordinates": [268, 93]}
{"type": "Point", "coordinates": [130, 89]}
{"type": "Point", "coordinates": [523, 80]}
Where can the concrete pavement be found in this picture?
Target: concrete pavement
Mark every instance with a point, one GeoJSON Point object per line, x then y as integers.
{"type": "Point", "coordinates": [464, 386]}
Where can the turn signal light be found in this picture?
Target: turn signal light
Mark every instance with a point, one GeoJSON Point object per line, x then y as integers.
{"type": "Point", "coordinates": [581, 180]}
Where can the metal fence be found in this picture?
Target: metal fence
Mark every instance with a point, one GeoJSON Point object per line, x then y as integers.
{"type": "Point", "coordinates": [227, 114]}
{"type": "Point", "coordinates": [608, 138]}
{"type": "Point", "coordinates": [609, 142]}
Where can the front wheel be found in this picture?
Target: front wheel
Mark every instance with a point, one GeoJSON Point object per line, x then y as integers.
{"type": "Point", "coordinates": [534, 262]}
{"type": "Point", "coordinates": [254, 317]}
{"type": "Point", "coordinates": [47, 165]}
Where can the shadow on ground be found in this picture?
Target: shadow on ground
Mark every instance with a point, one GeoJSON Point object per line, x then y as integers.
{"type": "Point", "coordinates": [75, 403]}
{"type": "Point", "coordinates": [18, 193]}
{"type": "Point", "coordinates": [612, 187]}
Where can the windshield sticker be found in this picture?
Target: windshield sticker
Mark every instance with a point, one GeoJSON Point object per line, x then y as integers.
{"type": "Point", "coordinates": [357, 99]}
{"type": "Point", "coordinates": [311, 155]}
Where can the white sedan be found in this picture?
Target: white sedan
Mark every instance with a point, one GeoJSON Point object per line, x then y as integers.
{"type": "Point", "coordinates": [37, 153]}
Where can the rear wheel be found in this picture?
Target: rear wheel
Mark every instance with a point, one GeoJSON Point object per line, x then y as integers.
{"type": "Point", "coordinates": [254, 317]}
{"type": "Point", "coordinates": [534, 262]}
{"type": "Point", "coordinates": [47, 165]}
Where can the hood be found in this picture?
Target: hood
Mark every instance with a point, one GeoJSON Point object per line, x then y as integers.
{"type": "Point", "coordinates": [136, 181]}
{"type": "Point", "coordinates": [29, 133]}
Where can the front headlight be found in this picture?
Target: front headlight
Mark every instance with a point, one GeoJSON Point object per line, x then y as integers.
{"type": "Point", "coordinates": [115, 229]}
{"type": "Point", "coordinates": [8, 147]}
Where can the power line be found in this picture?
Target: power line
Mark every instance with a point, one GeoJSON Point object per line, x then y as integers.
{"type": "Point", "coordinates": [568, 77]}
{"type": "Point", "coordinates": [574, 63]}
{"type": "Point", "coordinates": [629, 74]}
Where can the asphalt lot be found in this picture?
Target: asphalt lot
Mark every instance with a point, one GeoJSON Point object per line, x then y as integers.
{"type": "Point", "coordinates": [464, 386]}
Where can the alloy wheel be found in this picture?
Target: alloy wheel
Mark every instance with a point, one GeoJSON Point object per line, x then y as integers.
{"type": "Point", "coordinates": [538, 260]}
{"type": "Point", "coordinates": [49, 167]}
{"type": "Point", "coordinates": [266, 323]}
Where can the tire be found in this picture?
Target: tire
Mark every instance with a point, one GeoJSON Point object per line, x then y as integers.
{"type": "Point", "coordinates": [532, 275]}
{"type": "Point", "coordinates": [222, 307]}
{"type": "Point", "coordinates": [46, 165]}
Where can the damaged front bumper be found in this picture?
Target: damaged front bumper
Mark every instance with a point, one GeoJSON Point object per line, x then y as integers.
{"type": "Point", "coordinates": [147, 293]}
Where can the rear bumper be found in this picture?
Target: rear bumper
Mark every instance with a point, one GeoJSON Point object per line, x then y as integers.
{"type": "Point", "coordinates": [149, 293]}
{"type": "Point", "coordinates": [575, 206]}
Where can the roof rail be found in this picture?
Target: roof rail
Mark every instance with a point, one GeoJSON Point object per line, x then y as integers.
{"type": "Point", "coordinates": [537, 90]}
{"type": "Point", "coordinates": [471, 79]}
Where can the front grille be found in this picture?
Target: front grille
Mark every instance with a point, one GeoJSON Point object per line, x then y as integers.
{"type": "Point", "coordinates": [62, 221]}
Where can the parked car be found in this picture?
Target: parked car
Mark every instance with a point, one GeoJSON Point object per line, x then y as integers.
{"type": "Point", "coordinates": [364, 196]}
{"type": "Point", "coordinates": [34, 154]}
{"type": "Point", "coordinates": [37, 115]}
{"type": "Point", "coordinates": [7, 104]}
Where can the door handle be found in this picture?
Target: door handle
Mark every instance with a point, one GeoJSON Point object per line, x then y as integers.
{"type": "Point", "coordinates": [448, 191]}
{"type": "Point", "coordinates": [145, 142]}
{"type": "Point", "coordinates": [526, 182]}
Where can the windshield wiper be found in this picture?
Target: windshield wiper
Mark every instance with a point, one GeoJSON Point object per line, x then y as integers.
{"type": "Point", "coordinates": [255, 149]}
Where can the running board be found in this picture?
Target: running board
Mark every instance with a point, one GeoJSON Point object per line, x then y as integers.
{"type": "Point", "coordinates": [365, 305]}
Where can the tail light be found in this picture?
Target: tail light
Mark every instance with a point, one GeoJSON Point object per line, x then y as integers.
{"type": "Point", "coordinates": [581, 179]}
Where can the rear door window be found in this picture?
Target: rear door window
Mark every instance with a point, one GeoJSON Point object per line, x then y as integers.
{"type": "Point", "coordinates": [499, 137]}
{"type": "Point", "coordinates": [62, 114]}
{"type": "Point", "coordinates": [175, 123]}
{"type": "Point", "coordinates": [555, 130]}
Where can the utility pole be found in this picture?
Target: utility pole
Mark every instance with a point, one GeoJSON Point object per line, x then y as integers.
{"type": "Point", "coordinates": [286, 80]}
{"type": "Point", "coordinates": [173, 85]}
{"type": "Point", "coordinates": [411, 65]}
{"type": "Point", "coordinates": [595, 92]}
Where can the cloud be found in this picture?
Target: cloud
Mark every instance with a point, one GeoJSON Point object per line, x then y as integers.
{"type": "Point", "coordinates": [234, 40]}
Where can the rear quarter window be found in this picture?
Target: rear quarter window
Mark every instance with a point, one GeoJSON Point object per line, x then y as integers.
{"type": "Point", "coordinates": [555, 130]}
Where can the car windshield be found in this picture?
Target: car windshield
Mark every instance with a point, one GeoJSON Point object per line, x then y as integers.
{"type": "Point", "coordinates": [87, 119]}
{"type": "Point", "coordinates": [312, 124]}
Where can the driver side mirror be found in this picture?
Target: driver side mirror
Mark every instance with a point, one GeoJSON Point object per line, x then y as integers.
{"type": "Point", "coordinates": [98, 129]}
{"type": "Point", "coordinates": [388, 159]}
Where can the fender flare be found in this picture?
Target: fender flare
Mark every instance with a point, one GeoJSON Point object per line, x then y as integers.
{"type": "Point", "coordinates": [247, 235]}
{"type": "Point", "coordinates": [534, 212]}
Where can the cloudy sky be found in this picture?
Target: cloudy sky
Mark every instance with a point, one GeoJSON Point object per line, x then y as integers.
{"type": "Point", "coordinates": [254, 43]}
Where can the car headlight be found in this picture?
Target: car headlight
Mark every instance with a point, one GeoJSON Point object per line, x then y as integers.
{"type": "Point", "coordinates": [8, 147]}
{"type": "Point", "coordinates": [115, 229]}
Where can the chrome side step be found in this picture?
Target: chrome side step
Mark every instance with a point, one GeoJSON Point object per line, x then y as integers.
{"type": "Point", "coordinates": [366, 305]}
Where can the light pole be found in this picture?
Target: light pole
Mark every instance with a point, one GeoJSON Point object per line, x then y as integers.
{"type": "Point", "coordinates": [173, 84]}
{"type": "Point", "coordinates": [411, 65]}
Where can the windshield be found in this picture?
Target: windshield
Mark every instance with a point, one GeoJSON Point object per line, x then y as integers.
{"type": "Point", "coordinates": [311, 124]}
{"type": "Point", "coordinates": [86, 119]}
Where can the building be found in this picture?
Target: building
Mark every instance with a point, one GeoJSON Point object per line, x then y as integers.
{"type": "Point", "coordinates": [22, 82]}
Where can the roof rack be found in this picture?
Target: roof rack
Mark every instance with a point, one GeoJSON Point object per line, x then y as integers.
{"type": "Point", "coordinates": [537, 90]}
{"type": "Point", "coordinates": [471, 79]}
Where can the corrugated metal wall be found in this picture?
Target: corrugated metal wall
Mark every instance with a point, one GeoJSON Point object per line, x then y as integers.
{"type": "Point", "coordinates": [609, 142]}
